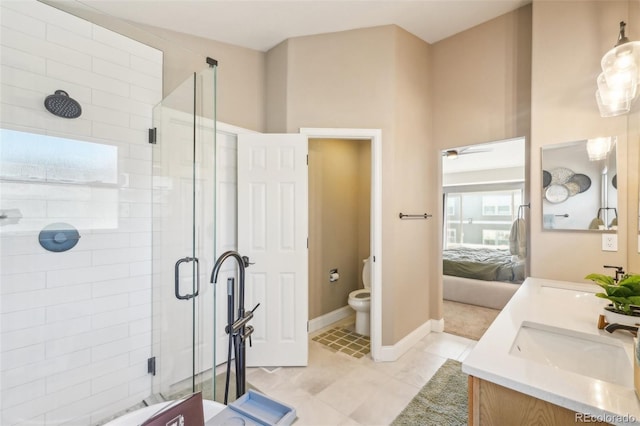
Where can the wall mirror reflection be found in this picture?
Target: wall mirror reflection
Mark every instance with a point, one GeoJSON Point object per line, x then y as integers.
{"type": "Point", "coordinates": [579, 181]}
{"type": "Point", "coordinates": [485, 233]}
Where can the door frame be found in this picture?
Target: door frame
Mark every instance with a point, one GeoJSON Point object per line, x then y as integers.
{"type": "Point", "coordinates": [375, 136]}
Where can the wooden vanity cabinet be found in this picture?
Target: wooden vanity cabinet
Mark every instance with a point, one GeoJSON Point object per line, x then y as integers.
{"type": "Point", "coordinates": [491, 404]}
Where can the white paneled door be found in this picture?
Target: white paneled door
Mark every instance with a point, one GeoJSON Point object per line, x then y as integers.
{"type": "Point", "coordinates": [272, 231]}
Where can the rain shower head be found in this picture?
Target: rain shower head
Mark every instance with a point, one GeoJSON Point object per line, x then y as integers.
{"type": "Point", "coordinates": [62, 105]}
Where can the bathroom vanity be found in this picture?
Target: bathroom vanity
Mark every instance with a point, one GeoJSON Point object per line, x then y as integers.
{"type": "Point", "coordinates": [544, 361]}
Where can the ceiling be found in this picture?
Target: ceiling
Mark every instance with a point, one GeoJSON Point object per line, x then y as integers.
{"type": "Point", "coordinates": [263, 24]}
{"type": "Point", "coordinates": [494, 155]}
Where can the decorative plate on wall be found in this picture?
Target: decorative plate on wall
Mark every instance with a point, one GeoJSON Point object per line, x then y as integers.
{"type": "Point", "coordinates": [560, 175]}
{"type": "Point", "coordinates": [546, 178]}
{"type": "Point", "coordinates": [583, 181]}
{"type": "Point", "coordinates": [556, 193]}
{"type": "Point", "coordinates": [573, 188]}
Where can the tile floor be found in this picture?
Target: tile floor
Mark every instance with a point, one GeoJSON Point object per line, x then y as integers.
{"type": "Point", "coordinates": [338, 389]}
{"type": "Point", "coordinates": [344, 339]}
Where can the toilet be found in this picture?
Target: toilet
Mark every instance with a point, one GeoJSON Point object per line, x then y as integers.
{"type": "Point", "coordinates": [360, 300]}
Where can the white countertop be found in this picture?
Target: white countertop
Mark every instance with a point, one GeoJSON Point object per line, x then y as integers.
{"type": "Point", "coordinates": [559, 305]}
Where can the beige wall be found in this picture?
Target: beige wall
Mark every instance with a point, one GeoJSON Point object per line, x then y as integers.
{"type": "Point", "coordinates": [277, 75]}
{"type": "Point", "coordinates": [374, 78]}
{"type": "Point", "coordinates": [414, 250]}
{"type": "Point", "coordinates": [339, 206]}
{"type": "Point", "coordinates": [564, 109]}
{"type": "Point", "coordinates": [481, 82]}
{"type": "Point", "coordinates": [241, 90]}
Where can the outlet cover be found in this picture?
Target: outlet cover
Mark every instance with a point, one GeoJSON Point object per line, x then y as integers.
{"type": "Point", "coordinates": [609, 242]}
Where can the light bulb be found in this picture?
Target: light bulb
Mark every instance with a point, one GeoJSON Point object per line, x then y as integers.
{"type": "Point", "coordinates": [611, 106]}
{"type": "Point", "coordinates": [598, 148]}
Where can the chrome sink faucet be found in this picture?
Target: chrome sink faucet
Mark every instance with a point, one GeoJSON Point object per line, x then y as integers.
{"type": "Point", "coordinates": [619, 272]}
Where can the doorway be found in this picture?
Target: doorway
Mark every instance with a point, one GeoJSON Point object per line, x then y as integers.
{"type": "Point", "coordinates": [375, 231]}
{"type": "Point", "coordinates": [339, 225]}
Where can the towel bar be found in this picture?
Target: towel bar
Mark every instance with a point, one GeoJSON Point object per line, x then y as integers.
{"type": "Point", "coordinates": [415, 216]}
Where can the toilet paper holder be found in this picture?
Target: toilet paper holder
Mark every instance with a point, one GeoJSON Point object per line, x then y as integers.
{"type": "Point", "coordinates": [334, 275]}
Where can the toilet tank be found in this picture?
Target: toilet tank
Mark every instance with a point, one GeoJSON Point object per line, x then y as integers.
{"type": "Point", "coordinates": [366, 272]}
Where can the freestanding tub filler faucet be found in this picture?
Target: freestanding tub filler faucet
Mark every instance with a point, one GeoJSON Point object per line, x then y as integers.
{"type": "Point", "coordinates": [236, 328]}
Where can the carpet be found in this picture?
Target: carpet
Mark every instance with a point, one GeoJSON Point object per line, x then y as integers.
{"type": "Point", "coordinates": [441, 402]}
{"type": "Point", "coordinates": [468, 321]}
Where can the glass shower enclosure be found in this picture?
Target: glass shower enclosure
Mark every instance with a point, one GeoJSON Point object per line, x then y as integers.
{"type": "Point", "coordinates": [184, 236]}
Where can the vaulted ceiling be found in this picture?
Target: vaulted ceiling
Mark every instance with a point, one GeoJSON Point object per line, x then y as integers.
{"type": "Point", "coordinates": [262, 24]}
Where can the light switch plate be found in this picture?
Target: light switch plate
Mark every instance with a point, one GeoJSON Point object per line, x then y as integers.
{"type": "Point", "coordinates": [609, 242]}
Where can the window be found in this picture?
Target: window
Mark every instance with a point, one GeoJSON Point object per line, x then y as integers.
{"type": "Point", "coordinates": [497, 205]}
{"type": "Point", "coordinates": [495, 237]}
{"type": "Point", "coordinates": [451, 235]}
{"type": "Point", "coordinates": [481, 215]}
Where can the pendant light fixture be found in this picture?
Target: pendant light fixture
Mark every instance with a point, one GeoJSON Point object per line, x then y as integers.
{"type": "Point", "coordinates": [618, 82]}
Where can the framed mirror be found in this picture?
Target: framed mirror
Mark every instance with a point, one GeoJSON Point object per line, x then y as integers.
{"type": "Point", "coordinates": [579, 181]}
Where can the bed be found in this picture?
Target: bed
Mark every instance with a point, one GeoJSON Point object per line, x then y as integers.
{"type": "Point", "coordinates": [481, 276]}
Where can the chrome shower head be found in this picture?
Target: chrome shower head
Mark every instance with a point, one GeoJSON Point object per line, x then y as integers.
{"type": "Point", "coordinates": [62, 105]}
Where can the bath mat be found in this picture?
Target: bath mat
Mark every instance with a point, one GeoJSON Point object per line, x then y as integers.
{"type": "Point", "coordinates": [468, 321]}
{"type": "Point", "coordinates": [441, 402]}
{"type": "Point", "coordinates": [341, 339]}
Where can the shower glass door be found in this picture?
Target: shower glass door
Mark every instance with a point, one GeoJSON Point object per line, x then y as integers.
{"type": "Point", "coordinates": [184, 235]}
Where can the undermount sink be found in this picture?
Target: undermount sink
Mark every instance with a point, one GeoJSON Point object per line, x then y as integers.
{"type": "Point", "coordinates": [588, 355]}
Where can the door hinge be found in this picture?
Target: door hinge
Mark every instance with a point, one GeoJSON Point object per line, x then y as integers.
{"type": "Point", "coordinates": [151, 366]}
{"type": "Point", "coordinates": [153, 135]}
{"type": "Point", "coordinates": [307, 159]}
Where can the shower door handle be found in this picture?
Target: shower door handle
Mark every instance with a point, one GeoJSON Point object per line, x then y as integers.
{"type": "Point", "coordinates": [177, 278]}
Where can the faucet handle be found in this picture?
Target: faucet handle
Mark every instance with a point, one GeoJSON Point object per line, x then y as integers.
{"type": "Point", "coordinates": [619, 268]}
{"type": "Point", "coordinates": [619, 271]}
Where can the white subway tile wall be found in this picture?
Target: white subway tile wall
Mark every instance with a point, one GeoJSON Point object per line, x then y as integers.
{"type": "Point", "coordinates": [75, 325]}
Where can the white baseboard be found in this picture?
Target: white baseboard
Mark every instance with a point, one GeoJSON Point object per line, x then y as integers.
{"type": "Point", "coordinates": [328, 319]}
{"type": "Point", "coordinates": [437, 325]}
{"type": "Point", "coordinates": [392, 353]}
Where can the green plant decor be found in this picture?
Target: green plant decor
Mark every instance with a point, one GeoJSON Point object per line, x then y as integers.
{"type": "Point", "coordinates": [624, 295]}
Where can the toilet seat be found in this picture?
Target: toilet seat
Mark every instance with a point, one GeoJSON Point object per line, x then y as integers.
{"type": "Point", "coordinates": [362, 294]}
